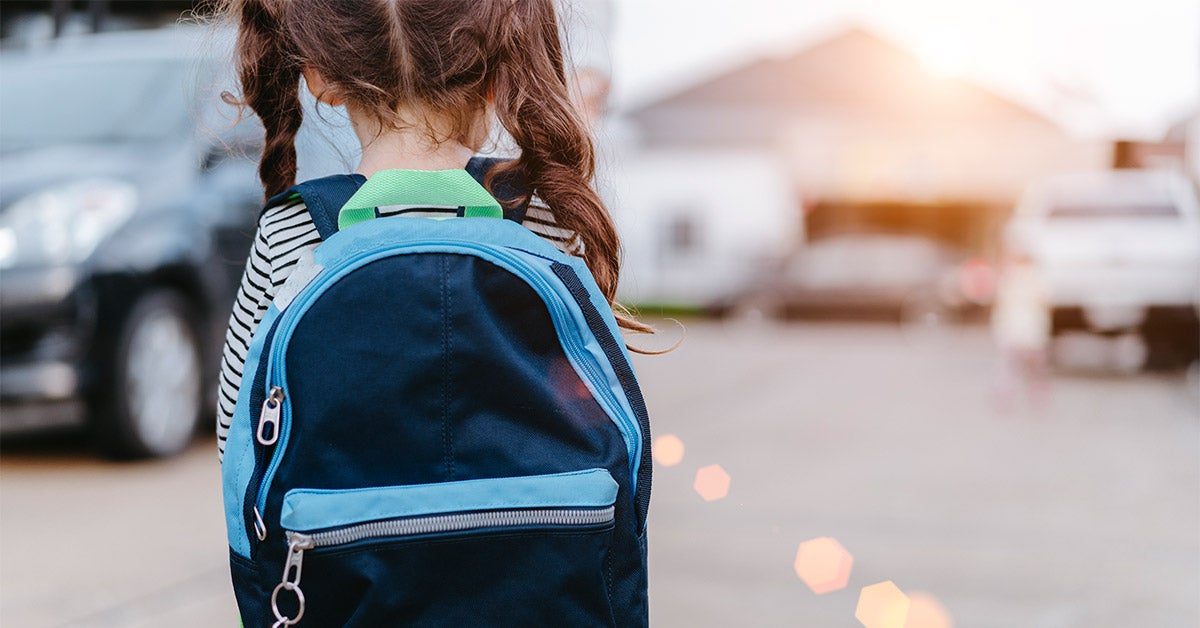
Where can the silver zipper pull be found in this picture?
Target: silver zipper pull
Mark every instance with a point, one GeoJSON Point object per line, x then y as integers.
{"type": "Point", "coordinates": [297, 543]}
{"type": "Point", "coordinates": [268, 419]}
{"type": "Point", "coordinates": [260, 527]}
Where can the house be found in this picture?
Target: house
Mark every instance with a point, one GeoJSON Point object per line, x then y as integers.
{"type": "Point", "coordinates": [870, 139]}
{"type": "Point", "coordinates": [697, 225]}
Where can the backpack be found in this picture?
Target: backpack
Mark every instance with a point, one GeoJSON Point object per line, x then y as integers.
{"type": "Point", "coordinates": [438, 425]}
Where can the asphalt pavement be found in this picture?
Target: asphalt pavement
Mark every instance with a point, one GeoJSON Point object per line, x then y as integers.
{"type": "Point", "coordinates": [1081, 510]}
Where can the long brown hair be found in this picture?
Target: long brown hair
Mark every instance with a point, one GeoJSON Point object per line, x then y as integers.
{"type": "Point", "coordinates": [449, 59]}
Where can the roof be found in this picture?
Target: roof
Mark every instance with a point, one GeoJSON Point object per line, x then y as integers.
{"type": "Point", "coordinates": [854, 71]}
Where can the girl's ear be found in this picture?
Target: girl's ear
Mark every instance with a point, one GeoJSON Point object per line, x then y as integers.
{"type": "Point", "coordinates": [320, 89]}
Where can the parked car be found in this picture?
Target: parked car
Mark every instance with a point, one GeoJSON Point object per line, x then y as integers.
{"type": "Point", "coordinates": [1118, 251]}
{"type": "Point", "coordinates": [896, 276]}
{"type": "Point", "coordinates": [127, 207]}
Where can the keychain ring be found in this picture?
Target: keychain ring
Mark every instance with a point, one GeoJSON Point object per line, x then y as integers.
{"type": "Point", "coordinates": [284, 620]}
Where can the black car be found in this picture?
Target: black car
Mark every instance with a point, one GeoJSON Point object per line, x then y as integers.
{"type": "Point", "coordinates": [128, 199]}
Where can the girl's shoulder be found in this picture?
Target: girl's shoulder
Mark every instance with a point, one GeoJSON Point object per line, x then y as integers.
{"type": "Point", "coordinates": [284, 215]}
{"type": "Point", "coordinates": [286, 226]}
{"type": "Point", "coordinates": [539, 218]}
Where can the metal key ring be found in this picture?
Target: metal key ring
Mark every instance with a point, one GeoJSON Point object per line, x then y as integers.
{"type": "Point", "coordinates": [284, 620]}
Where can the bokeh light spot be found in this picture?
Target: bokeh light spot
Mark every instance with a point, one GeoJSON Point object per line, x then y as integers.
{"type": "Point", "coordinates": [823, 564]}
{"type": "Point", "coordinates": [882, 605]}
{"type": "Point", "coordinates": [925, 611]}
{"type": "Point", "coordinates": [668, 450]}
{"type": "Point", "coordinates": [712, 482]}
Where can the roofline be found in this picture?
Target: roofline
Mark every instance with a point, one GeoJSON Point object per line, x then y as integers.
{"type": "Point", "coordinates": [825, 37]}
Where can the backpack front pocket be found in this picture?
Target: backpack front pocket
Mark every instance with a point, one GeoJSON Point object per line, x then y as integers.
{"type": "Point", "coordinates": [527, 551]}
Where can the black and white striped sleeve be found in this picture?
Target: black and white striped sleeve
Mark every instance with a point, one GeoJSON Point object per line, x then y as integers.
{"type": "Point", "coordinates": [540, 219]}
{"type": "Point", "coordinates": [283, 232]}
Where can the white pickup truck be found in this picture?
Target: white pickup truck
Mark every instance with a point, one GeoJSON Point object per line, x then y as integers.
{"type": "Point", "coordinates": [1117, 251]}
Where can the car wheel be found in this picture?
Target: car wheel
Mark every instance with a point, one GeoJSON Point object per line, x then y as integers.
{"type": "Point", "coordinates": [154, 394]}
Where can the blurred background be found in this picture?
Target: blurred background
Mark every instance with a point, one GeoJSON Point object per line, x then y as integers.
{"type": "Point", "coordinates": [935, 267]}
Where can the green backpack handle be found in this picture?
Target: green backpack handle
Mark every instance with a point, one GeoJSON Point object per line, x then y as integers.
{"type": "Point", "coordinates": [435, 188]}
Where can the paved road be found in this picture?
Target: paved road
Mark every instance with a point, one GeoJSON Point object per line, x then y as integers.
{"type": "Point", "coordinates": [1083, 513]}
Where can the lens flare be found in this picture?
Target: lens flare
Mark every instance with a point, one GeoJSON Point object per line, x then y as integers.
{"type": "Point", "coordinates": [712, 482]}
{"type": "Point", "coordinates": [567, 381]}
{"type": "Point", "coordinates": [882, 605]}
{"type": "Point", "coordinates": [668, 450]}
{"type": "Point", "coordinates": [823, 564]}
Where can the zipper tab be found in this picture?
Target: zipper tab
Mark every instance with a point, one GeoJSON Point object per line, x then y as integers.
{"type": "Point", "coordinates": [297, 543]}
{"type": "Point", "coordinates": [268, 419]}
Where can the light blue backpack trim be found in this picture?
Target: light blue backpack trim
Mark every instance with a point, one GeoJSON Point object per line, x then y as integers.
{"type": "Point", "coordinates": [361, 243]}
{"type": "Point", "coordinates": [306, 510]}
{"type": "Point", "coordinates": [238, 464]}
{"type": "Point", "coordinates": [598, 300]}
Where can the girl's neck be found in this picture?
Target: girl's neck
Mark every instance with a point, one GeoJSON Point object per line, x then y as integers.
{"type": "Point", "coordinates": [406, 149]}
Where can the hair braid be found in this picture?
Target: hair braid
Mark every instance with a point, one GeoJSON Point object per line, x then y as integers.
{"type": "Point", "coordinates": [270, 76]}
{"type": "Point", "coordinates": [557, 156]}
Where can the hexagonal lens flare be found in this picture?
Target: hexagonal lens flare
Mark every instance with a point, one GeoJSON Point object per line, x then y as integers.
{"type": "Point", "coordinates": [823, 564]}
{"type": "Point", "coordinates": [712, 482]}
{"type": "Point", "coordinates": [882, 605]}
{"type": "Point", "coordinates": [668, 450]}
{"type": "Point", "coordinates": [925, 611]}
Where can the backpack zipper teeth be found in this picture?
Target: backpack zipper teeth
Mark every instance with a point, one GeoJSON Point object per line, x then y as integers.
{"type": "Point", "coordinates": [411, 526]}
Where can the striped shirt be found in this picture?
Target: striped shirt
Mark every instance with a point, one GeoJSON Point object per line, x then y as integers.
{"type": "Point", "coordinates": [286, 233]}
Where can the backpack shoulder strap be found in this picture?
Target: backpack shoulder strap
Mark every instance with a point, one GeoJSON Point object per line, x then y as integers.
{"type": "Point", "coordinates": [323, 198]}
{"type": "Point", "coordinates": [506, 189]}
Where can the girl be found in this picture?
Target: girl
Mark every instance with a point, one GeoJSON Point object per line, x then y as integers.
{"type": "Point", "coordinates": [420, 80]}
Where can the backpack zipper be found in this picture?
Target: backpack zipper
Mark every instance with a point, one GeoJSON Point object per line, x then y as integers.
{"type": "Point", "coordinates": [456, 522]}
{"type": "Point", "coordinates": [276, 368]}
{"type": "Point", "coordinates": [300, 542]}
{"type": "Point", "coordinates": [267, 433]}
{"type": "Point", "coordinates": [268, 419]}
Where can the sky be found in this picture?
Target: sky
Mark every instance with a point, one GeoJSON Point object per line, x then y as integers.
{"type": "Point", "coordinates": [1101, 68]}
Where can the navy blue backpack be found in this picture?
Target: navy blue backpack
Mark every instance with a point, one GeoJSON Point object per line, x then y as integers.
{"type": "Point", "coordinates": [438, 425]}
